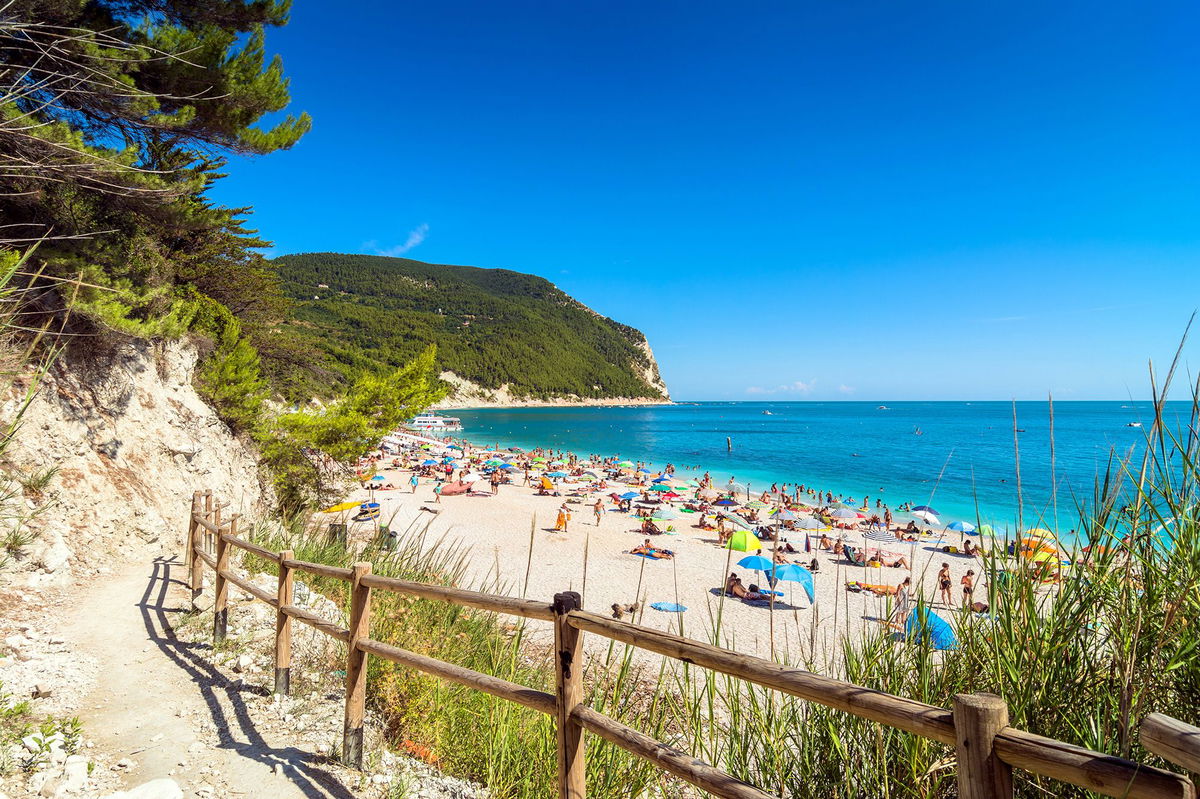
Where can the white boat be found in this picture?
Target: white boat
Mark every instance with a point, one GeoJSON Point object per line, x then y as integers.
{"type": "Point", "coordinates": [433, 423]}
{"type": "Point", "coordinates": [1134, 424]}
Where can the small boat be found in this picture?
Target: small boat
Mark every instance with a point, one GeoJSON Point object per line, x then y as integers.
{"type": "Point", "coordinates": [1134, 424]}
{"type": "Point", "coordinates": [918, 431]}
{"type": "Point", "coordinates": [883, 408]}
{"type": "Point", "coordinates": [432, 422]}
{"type": "Point", "coordinates": [767, 413]}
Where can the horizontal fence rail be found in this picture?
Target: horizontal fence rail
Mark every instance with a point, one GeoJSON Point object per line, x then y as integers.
{"type": "Point", "coordinates": [987, 747]}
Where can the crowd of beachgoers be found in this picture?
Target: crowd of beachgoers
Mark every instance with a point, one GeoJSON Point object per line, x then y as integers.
{"type": "Point", "coordinates": [608, 521]}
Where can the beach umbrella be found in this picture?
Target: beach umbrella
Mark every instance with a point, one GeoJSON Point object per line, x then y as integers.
{"type": "Point", "coordinates": [660, 479]}
{"type": "Point", "coordinates": [556, 474]}
{"type": "Point", "coordinates": [927, 509]}
{"type": "Point", "coordinates": [493, 462]}
{"type": "Point", "coordinates": [341, 507]}
{"type": "Point", "coordinates": [923, 621]}
{"type": "Point", "coordinates": [660, 487]}
{"type": "Point", "coordinates": [630, 495]}
{"type": "Point", "coordinates": [843, 513]}
{"type": "Point", "coordinates": [708, 493]}
{"type": "Point", "coordinates": [809, 524]}
{"type": "Point", "coordinates": [664, 515]}
{"type": "Point", "coordinates": [784, 516]}
{"type": "Point", "coordinates": [757, 504]}
{"type": "Point", "coordinates": [881, 535]}
{"type": "Point", "coordinates": [625, 464]}
{"type": "Point", "coordinates": [726, 503]}
{"type": "Point", "coordinates": [926, 516]}
{"type": "Point", "coordinates": [429, 462]}
{"type": "Point", "coordinates": [470, 477]}
{"type": "Point", "coordinates": [454, 446]}
{"type": "Point", "coordinates": [797, 574]}
{"type": "Point", "coordinates": [961, 527]}
{"type": "Point", "coordinates": [756, 562]}
{"type": "Point", "coordinates": [379, 478]}
{"type": "Point", "coordinates": [744, 541]}
{"type": "Point", "coordinates": [539, 459]}
{"type": "Point", "coordinates": [508, 467]}
{"type": "Point", "coordinates": [643, 470]}
{"type": "Point", "coordinates": [986, 529]}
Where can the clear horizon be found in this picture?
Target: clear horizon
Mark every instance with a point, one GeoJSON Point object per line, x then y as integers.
{"type": "Point", "coordinates": [797, 201]}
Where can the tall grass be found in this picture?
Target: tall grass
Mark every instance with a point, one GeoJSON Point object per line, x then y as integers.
{"type": "Point", "coordinates": [1082, 659]}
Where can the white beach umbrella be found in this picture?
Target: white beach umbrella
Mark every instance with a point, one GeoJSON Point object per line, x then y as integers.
{"type": "Point", "coordinates": [925, 516]}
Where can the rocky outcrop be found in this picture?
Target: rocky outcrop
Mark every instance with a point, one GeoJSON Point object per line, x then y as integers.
{"type": "Point", "coordinates": [466, 394]}
{"type": "Point", "coordinates": [128, 439]}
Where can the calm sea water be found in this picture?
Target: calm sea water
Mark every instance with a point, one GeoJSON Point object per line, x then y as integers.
{"type": "Point", "coordinates": [954, 456]}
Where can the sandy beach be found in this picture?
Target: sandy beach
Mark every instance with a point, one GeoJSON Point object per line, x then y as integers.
{"type": "Point", "coordinates": [594, 559]}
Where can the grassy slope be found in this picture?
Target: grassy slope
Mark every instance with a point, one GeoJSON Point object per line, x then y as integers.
{"type": "Point", "coordinates": [492, 326]}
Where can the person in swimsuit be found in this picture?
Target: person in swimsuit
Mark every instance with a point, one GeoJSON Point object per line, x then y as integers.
{"type": "Point", "coordinates": [944, 584]}
{"type": "Point", "coordinates": [968, 585]}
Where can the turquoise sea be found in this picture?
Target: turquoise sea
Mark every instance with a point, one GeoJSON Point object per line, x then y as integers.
{"type": "Point", "coordinates": [953, 456]}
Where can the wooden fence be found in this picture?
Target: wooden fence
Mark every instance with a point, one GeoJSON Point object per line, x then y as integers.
{"type": "Point", "coordinates": [987, 748]}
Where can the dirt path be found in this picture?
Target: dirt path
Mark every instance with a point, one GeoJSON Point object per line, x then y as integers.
{"type": "Point", "coordinates": [158, 702]}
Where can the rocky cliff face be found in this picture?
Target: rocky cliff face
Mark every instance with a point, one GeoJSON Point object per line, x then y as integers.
{"type": "Point", "coordinates": [130, 439]}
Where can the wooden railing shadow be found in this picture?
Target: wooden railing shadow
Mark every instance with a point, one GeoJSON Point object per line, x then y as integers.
{"type": "Point", "coordinates": [302, 768]}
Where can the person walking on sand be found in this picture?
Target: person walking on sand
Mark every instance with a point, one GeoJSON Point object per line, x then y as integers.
{"type": "Point", "coordinates": [564, 516]}
{"type": "Point", "coordinates": [412, 481]}
{"type": "Point", "coordinates": [901, 610]}
{"type": "Point", "coordinates": [943, 579]}
{"type": "Point", "coordinates": [968, 585]}
{"type": "Point", "coordinates": [598, 509]}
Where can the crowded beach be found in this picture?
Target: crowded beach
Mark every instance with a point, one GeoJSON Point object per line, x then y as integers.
{"type": "Point", "coordinates": [788, 570]}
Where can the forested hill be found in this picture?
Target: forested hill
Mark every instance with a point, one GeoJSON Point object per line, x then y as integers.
{"type": "Point", "coordinates": [511, 334]}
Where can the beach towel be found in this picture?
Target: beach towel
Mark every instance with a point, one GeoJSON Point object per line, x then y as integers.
{"type": "Point", "coordinates": [668, 607]}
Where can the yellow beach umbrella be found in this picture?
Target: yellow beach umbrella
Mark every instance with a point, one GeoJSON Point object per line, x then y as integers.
{"type": "Point", "coordinates": [744, 541]}
{"type": "Point", "coordinates": [341, 507]}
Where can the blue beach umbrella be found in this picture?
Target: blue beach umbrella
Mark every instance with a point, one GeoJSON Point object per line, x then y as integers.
{"type": "Point", "coordinates": [923, 621]}
{"type": "Point", "coordinates": [925, 508]}
{"type": "Point", "coordinates": [756, 562]}
{"type": "Point", "coordinates": [508, 467]}
{"type": "Point", "coordinates": [430, 462]}
{"type": "Point", "coordinates": [726, 503]}
{"type": "Point", "coordinates": [660, 479]}
{"type": "Point", "coordinates": [630, 495]}
{"type": "Point", "coordinates": [797, 574]}
{"type": "Point", "coordinates": [961, 527]}
{"type": "Point", "coordinates": [377, 478]}
{"type": "Point", "coordinates": [556, 474]}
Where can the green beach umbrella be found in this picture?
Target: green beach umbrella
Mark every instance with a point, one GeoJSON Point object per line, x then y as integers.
{"type": "Point", "coordinates": [660, 487]}
{"type": "Point", "coordinates": [756, 505]}
{"type": "Point", "coordinates": [744, 541]}
{"type": "Point", "coordinates": [625, 464]}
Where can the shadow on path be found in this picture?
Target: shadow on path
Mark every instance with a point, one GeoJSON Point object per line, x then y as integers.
{"type": "Point", "coordinates": [302, 768]}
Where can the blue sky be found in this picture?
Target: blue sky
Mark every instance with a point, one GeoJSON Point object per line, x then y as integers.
{"type": "Point", "coordinates": [846, 200]}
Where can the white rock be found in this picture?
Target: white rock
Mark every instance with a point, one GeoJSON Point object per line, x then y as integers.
{"type": "Point", "coordinates": [75, 772]}
{"type": "Point", "coordinates": [242, 663]}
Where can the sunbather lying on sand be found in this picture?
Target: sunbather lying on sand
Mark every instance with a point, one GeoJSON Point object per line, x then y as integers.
{"type": "Point", "coordinates": [878, 590]}
{"type": "Point", "coordinates": [651, 551]}
{"type": "Point", "coordinates": [734, 587]}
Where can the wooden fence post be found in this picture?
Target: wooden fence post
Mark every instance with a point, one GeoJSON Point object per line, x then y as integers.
{"type": "Point", "coordinates": [221, 586]}
{"type": "Point", "coordinates": [978, 718]}
{"type": "Point", "coordinates": [356, 667]}
{"type": "Point", "coordinates": [283, 627]}
{"type": "Point", "coordinates": [196, 570]}
{"type": "Point", "coordinates": [206, 536]}
{"type": "Point", "coordinates": [568, 649]}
